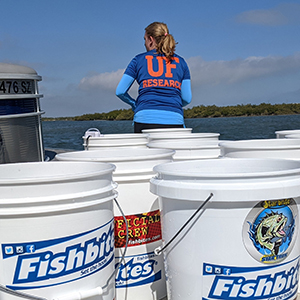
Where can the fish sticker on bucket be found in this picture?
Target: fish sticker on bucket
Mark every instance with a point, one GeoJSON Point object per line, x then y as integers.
{"type": "Point", "coordinates": [269, 230]}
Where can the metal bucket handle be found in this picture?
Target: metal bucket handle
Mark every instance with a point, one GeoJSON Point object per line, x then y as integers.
{"type": "Point", "coordinates": [159, 250]}
{"type": "Point", "coordinates": [92, 132]}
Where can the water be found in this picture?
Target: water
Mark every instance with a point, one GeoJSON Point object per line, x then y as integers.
{"type": "Point", "coordinates": [68, 134]}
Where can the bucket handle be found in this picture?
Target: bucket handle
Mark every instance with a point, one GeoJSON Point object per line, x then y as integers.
{"type": "Point", "coordinates": [159, 250]}
{"type": "Point", "coordinates": [87, 142]}
{"type": "Point", "coordinates": [73, 296]}
{"type": "Point", "coordinates": [125, 247]}
{"type": "Point", "coordinates": [19, 294]}
{"type": "Point", "coordinates": [88, 135]}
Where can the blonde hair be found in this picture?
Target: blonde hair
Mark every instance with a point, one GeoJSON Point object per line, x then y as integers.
{"type": "Point", "coordinates": [165, 42]}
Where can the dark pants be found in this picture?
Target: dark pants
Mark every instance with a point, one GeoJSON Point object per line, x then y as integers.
{"type": "Point", "coordinates": [138, 127]}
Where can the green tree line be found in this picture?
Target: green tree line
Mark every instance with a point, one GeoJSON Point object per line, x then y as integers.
{"type": "Point", "coordinates": [202, 111]}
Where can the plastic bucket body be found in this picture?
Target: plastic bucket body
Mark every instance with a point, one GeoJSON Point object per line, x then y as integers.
{"type": "Point", "coordinates": [186, 136]}
{"type": "Point", "coordinates": [134, 140]}
{"type": "Point", "coordinates": [243, 244]}
{"type": "Point", "coordinates": [264, 148]}
{"type": "Point", "coordinates": [189, 149]}
{"type": "Point", "coordinates": [57, 229]}
{"type": "Point", "coordinates": [281, 134]}
{"type": "Point", "coordinates": [159, 131]}
{"type": "Point", "coordinates": [141, 276]}
{"type": "Point", "coordinates": [293, 136]}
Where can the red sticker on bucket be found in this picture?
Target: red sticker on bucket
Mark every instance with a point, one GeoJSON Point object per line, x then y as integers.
{"type": "Point", "coordinates": [142, 229]}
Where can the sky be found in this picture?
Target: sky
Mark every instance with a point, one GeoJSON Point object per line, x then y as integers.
{"type": "Point", "coordinates": [238, 51]}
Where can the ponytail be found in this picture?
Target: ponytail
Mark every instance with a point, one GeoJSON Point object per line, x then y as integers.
{"type": "Point", "coordinates": [165, 42]}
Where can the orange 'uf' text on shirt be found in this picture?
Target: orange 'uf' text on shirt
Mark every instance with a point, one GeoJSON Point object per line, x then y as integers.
{"type": "Point", "coordinates": [160, 72]}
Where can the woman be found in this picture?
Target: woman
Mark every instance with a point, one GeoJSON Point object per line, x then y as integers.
{"type": "Point", "coordinates": [164, 82]}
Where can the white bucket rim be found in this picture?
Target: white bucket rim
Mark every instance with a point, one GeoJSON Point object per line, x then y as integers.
{"type": "Point", "coordinates": [142, 143]}
{"type": "Point", "coordinates": [204, 135]}
{"type": "Point", "coordinates": [287, 131]}
{"type": "Point", "coordinates": [162, 130]}
{"type": "Point", "coordinates": [117, 136]}
{"type": "Point", "coordinates": [262, 144]}
{"type": "Point", "coordinates": [177, 145]}
{"type": "Point", "coordinates": [51, 178]}
{"type": "Point", "coordinates": [293, 136]}
{"type": "Point", "coordinates": [169, 169]}
{"type": "Point", "coordinates": [125, 154]}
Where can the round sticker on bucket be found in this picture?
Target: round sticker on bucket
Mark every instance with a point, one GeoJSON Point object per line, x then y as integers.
{"type": "Point", "coordinates": [269, 231]}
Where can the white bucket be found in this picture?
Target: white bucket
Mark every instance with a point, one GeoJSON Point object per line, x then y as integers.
{"type": "Point", "coordinates": [293, 136]}
{"type": "Point", "coordinates": [123, 140]}
{"type": "Point", "coordinates": [282, 133]}
{"type": "Point", "coordinates": [57, 229]}
{"type": "Point", "coordinates": [159, 131]}
{"type": "Point", "coordinates": [217, 255]}
{"type": "Point", "coordinates": [189, 149]}
{"type": "Point", "coordinates": [264, 148]}
{"type": "Point", "coordinates": [186, 137]}
{"type": "Point", "coordinates": [144, 272]}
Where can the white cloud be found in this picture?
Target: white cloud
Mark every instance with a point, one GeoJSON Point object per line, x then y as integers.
{"type": "Point", "coordinates": [250, 80]}
{"type": "Point", "coordinates": [262, 17]}
{"type": "Point", "coordinates": [104, 81]}
{"type": "Point", "coordinates": [240, 70]}
{"type": "Point", "coordinates": [284, 13]}
{"type": "Point", "coordinates": [209, 72]}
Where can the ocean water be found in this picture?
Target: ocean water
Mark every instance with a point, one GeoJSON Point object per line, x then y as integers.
{"type": "Point", "coordinates": [68, 134]}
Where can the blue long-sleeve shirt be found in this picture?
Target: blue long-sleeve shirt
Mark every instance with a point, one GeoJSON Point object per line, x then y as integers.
{"type": "Point", "coordinates": [164, 88]}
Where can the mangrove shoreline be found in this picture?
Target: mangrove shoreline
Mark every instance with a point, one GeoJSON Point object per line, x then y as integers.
{"type": "Point", "coordinates": [210, 111]}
